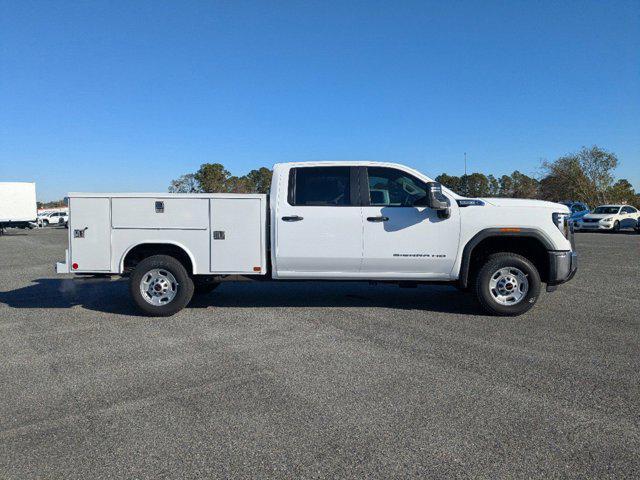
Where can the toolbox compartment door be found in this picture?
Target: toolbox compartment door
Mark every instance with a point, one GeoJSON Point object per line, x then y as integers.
{"type": "Point", "coordinates": [237, 235]}
{"type": "Point", "coordinates": [161, 213]}
{"type": "Point", "coordinates": [90, 234]}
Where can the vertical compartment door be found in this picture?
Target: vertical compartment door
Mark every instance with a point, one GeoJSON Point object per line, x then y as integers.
{"type": "Point", "coordinates": [90, 231]}
{"type": "Point", "coordinates": [236, 235]}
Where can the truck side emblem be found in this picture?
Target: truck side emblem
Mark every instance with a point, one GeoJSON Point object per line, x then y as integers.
{"type": "Point", "coordinates": [159, 207]}
{"type": "Point", "coordinates": [218, 235]}
{"type": "Point", "coordinates": [469, 203]}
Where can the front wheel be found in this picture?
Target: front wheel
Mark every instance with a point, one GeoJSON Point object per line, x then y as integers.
{"type": "Point", "coordinates": [507, 284]}
{"type": "Point", "coordinates": [160, 286]}
{"type": "Point", "coordinates": [616, 226]}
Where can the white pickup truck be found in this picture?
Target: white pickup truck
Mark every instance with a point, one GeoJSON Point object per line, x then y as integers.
{"type": "Point", "coordinates": [330, 221]}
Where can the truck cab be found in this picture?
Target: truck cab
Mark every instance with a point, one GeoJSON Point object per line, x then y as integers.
{"type": "Point", "coordinates": [372, 221]}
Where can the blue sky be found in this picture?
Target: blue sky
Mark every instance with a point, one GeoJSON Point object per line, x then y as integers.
{"type": "Point", "coordinates": [125, 96]}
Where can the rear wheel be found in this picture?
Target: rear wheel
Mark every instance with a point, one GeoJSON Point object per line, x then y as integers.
{"type": "Point", "coordinates": [160, 286]}
{"type": "Point", "coordinates": [507, 284]}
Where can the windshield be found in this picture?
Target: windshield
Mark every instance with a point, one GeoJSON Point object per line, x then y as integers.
{"type": "Point", "coordinates": [606, 210]}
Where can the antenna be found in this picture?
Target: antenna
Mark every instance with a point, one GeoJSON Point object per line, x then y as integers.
{"type": "Point", "coordinates": [466, 180]}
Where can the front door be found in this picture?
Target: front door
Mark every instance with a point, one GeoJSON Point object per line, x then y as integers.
{"type": "Point", "coordinates": [403, 240]}
{"type": "Point", "coordinates": [318, 224]}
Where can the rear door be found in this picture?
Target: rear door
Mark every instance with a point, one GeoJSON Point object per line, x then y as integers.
{"type": "Point", "coordinates": [90, 232]}
{"type": "Point", "coordinates": [318, 224]}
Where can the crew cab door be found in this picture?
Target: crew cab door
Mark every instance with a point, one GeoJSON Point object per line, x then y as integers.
{"type": "Point", "coordinates": [318, 223]}
{"type": "Point", "coordinates": [401, 238]}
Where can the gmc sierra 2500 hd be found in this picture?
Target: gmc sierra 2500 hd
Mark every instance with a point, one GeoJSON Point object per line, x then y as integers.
{"type": "Point", "coordinates": [323, 221]}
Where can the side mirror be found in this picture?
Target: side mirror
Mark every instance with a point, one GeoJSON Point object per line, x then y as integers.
{"type": "Point", "coordinates": [437, 200]}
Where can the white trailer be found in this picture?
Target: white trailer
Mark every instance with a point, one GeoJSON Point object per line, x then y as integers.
{"type": "Point", "coordinates": [17, 204]}
{"type": "Point", "coordinates": [367, 221]}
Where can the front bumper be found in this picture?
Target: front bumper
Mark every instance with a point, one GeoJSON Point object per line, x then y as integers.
{"type": "Point", "coordinates": [595, 226]}
{"type": "Point", "coordinates": [562, 267]}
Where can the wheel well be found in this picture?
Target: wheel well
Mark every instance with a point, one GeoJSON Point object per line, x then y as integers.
{"type": "Point", "coordinates": [529, 247]}
{"type": "Point", "coordinates": [142, 251]}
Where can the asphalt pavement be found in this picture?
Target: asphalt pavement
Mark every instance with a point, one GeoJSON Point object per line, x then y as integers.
{"type": "Point", "coordinates": [318, 380]}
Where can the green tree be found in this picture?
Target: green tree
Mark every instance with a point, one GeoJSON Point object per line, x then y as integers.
{"type": "Point", "coordinates": [621, 192]}
{"type": "Point", "coordinates": [586, 175]}
{"type": "Point", "coordinates": [494, 186]}
{"type": "Point", "coordinates": [185, 184]}
{"type": "Point", "coordinates": [259, 180]}
{"type": "Point", "coordinates": [450, 181]}
{"type": "Point", "coordinates": [475, 185]}
{"type": "Point", "coordinates": [506, 186]}
{"type": "Point", "coordinates": [212, 178]}
{"type": "Point", "coordinates": [524, 186]}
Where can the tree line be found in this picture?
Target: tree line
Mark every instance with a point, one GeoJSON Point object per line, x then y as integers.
{"type": "Point", "coordinates": [586, 176]}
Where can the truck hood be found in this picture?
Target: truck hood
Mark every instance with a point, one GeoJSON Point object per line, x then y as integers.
{"type": "Point", "coordinates": [523, 202]}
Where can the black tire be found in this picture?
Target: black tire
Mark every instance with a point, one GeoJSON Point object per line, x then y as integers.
{"type": "Point", "coordinates": [496, 262]}
{"type": "Point", "coordinates": [45, 223]}
{"type": "Point", "coordinates": [616, 226]}
{"type": "Point", "coordinates": [184, 285]}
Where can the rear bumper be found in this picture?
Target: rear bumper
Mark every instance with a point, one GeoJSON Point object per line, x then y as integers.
{"type": "Point", "coordinates": [562, 267]}
{"type": "Point", "coordinates": [63, 267]}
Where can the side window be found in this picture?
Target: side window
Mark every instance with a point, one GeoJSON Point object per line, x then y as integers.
{"type": "Point", "coordinates": [627, 210]}
{"type": "Point", "coordinates": [389, 187]}
{"type": "Point", "coordinates": [319, 186]}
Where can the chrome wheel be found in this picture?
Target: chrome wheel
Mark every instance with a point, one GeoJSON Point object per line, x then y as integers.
{"type": "Point", "coordinates": [508, 286]}
{"type": "Point", "coordinates": [158, 287]}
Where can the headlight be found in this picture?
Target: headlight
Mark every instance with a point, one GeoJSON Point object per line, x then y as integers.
{"type": "Point", "coordinates": [607, 219]}
{"type": "Point", "coordinates": [561, 220]}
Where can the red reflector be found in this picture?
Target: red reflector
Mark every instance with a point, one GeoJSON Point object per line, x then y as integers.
{"type": "Point", "coordinates": [256, 269]}
{"type": "Point", "coordinates": [74, 266]}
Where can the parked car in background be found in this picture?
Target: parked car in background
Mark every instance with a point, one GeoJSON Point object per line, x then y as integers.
{"type": "Point", "coordinates": [55, 218]}
{"type": "Point", "coordinates": [578, 210]}
{"type": "Point", "coordinates": [610, 217]}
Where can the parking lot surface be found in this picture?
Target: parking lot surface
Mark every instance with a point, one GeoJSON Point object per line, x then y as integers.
{"type": "Point", "coordinates": [304, 380]}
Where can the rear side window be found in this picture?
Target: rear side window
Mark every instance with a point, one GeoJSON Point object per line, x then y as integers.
{"type": "Point", "coordinates": [320, 186]}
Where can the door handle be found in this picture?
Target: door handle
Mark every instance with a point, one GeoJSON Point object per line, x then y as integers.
{"type": "Point", "coordinates": [292, 218]}
{"type": "Point", "coordinates": [377, 219]}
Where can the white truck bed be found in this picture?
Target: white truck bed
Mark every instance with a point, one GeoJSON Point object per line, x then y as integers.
{"type": "Point", "coordinates": [17, 202]}
{"type": "Point", "coordinates": [220, 233]}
